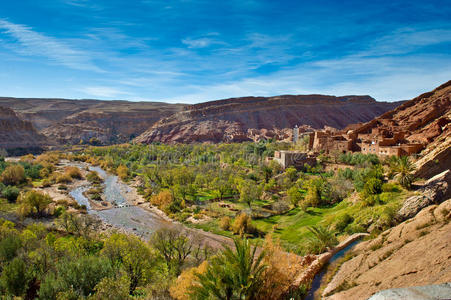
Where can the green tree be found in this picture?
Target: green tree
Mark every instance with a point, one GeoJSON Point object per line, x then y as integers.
{"type": "Point", "coordinates": [174, 246]}
{"type": "Point", "coordinates": [133, 255]}
{"type": "Point", "coordinates": [233, 274]}
{"type": "Point", "coordinates": [15, 277]}
{"type": "Point", "coordinates": [249, 191]}
{"type": "Point", "coordinates": [11, 193]}
{"type": "Point", "coordinates": [322, 239]}
{"type": "Point", "coordinates": [33, 203]}
{"type": "Point", "coordinates": [294, 195]}
{"type": "Point", "coordinates": [13, 175]}
{"type": "Point", "coordinates": [404, 168]}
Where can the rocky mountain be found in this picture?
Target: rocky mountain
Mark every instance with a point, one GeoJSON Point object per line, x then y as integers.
{"type": "Point", "coordinates": [71, 121]}
{"type": "Point", "coordinates": [425, 119]}
{"type": "Point", "coordinates": [18, 136]}
{"type": "Point", "coordinates": [240, 119]}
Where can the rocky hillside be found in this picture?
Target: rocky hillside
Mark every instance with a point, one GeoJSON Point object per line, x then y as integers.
{"type": "Point", "coordinates": [18, 136]}
{"type": "Point", "coordinates": [240, 119]}
{"type": "Point", "coordinates": [425, 119]}
{"type": "Point", "coordinates": [71, 121]}
{"type": "Point", "coordinates": [416, 252]}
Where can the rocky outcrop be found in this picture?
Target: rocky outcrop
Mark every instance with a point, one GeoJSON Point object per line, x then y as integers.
{"type": "Point", "coordinates": [71, 121]}
{"type": "Point", "coordinates": [414, 253]}
{"type": "Point", "coordinates": [18, 136]}
{"type": "Point", "coordinates": [253, 118]}
{"type": "Point", "coordinates": [436, 190]}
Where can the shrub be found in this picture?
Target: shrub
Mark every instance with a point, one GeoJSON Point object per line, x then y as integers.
{"type": "Point", "coordinates": [73, 172]}
{"type": "Point", "coordinates": [13, 175]}
{"type": "Point", "coordinates": [343, 221]}
{"type": "Point", "coordinates": [390, 188]}
{"type": "Point", "coordinates": [224, 223]}
{"type": "Point", "coordinates": [322, 239]}
{"type": "Point", "coordinates": [15, 277]}
{"type": "Point", "coordinates": [46, 183]}
{"type": "Point", "coordinates": [11, 193]}
{"type": "Point", "coordinates": [94, 177]}
{"type": "Point", "coordinates": [33, 203]}
{"type": "Point", "coordinates": [373, 186]}
{"type": "Point", "coordinates": [122, 172]}
{"type": "Point", "coordinates": [63, 178]}
{"type": "Point", "coordinates": [243, 224]}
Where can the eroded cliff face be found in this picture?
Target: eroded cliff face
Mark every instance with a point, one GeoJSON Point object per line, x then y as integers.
{"type": "Point", "coordinates": [239, 119]}
{"type": "Point", "coordinates": [17, 135]}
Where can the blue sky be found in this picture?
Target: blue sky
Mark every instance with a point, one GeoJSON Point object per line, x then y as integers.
{"type": "Point", "coordinates": [198, 50]}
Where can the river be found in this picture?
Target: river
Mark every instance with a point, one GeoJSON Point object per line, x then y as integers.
{"type": "Point", "coordinates": [125, 216]}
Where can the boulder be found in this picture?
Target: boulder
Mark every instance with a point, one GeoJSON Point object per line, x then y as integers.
{"type": "Point", "coordinates": [436, 190]}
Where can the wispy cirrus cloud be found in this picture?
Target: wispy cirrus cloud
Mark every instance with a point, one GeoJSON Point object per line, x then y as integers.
{"type": "Point", "coordinates": [25, 41]}
{"type": "Point", "coordinates": [103, 91]}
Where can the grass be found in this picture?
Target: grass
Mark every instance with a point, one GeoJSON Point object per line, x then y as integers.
{"type": "Point", "coordinates": [291, 227]}
{"type": "Point", "coordinates": [7, 207]}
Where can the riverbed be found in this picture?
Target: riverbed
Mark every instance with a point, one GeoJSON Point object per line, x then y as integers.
{"type": "Point", "coordinates": [123, 214]}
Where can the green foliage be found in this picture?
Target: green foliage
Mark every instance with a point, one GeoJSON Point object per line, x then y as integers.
{"type": "Point", "coordinates": [15, 277]}
{"type": "Point", "coordinates": [403, 168]}
{"type": "Point", "coordinates": [33, 203]}
{"type": "Point", "coordinates": [133, 255]}
{"type": "Point", "coordinates": [10, 244]}
{"type": "Point", "coordinates": [233, 274]}
{"type": "Point", "coordinates": [294, 195]}
{"type": "Point", "coordinates": [322, 239]}
{"type": "Point", "coordinates": [11, 193]}
{"type": "Point", "coordinates": [13, 175]}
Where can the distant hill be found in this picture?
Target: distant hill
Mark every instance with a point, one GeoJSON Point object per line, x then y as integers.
{"type": "Point", "coordinates": [18, 136]}
{"type": "Point", "coordinates": [67, 121]}
{"type": "Point", "coordinates": [240, 119]}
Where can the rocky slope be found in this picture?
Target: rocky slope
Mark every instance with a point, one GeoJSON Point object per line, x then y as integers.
{"type": "Point", "coordinates": [425, 119]}
{"type": "Point", "coordinates": [69, 121]}
{"type": "Point", "coordinates": [240, 119]}
{"type": "Point", "coordinates": [416, 252]}
{"type": "Point", "coordinates": [17, 135]}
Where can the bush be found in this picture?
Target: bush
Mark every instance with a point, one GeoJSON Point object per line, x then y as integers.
{"type": "Point", "coordinates": [94, 177]}
{"type": "Point", "coordinates": [46, 183]}
{"type": "Point", "coordinates": [373, 186]}
{"type": "Point", "coordinates": [15, 277]}
{"type": "Point", "coordinates": [391, 188]}
{"type": "Point", "coordinates": [33, 203]}
{"type": "Point", "coordinates": [63, 178]}
{"type": "Point", "coordinates": [224, 223]}
{"type": "Point", "coordinates": [243, 224]}
{"type": "Point", "coordinates": [11, 193]}
{"type": "Point", "coordinates": [73, 172]}
{"type": "Point", "coordinates": [13, 175]}
{"type": "Point", "coordinates": [342, 222]}
{"type": "Point", "coordinates": [122, 172]}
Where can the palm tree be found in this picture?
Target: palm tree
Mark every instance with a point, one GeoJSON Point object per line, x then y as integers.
{"type": "Point", "coordinates": [322, 239]}
{"type": "Point", "coordinates": [233, 274]}
{"type": "Point", "coordinates": [404, 168]}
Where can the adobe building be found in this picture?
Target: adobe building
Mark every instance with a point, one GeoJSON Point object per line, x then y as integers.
{"type": "Point", "coordinates": [296, 159]}
{"type": "Point", "coordinates": [366, 139]}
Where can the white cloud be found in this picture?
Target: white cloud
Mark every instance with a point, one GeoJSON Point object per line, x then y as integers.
{"type": "Point", "coordinates": [31, 43]}
{"type": "Point", "coordinates": [102, 91]}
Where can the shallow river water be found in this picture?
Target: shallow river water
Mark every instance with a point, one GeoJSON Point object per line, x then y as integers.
{"type": "Point", "coordinates": [123, 216]}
